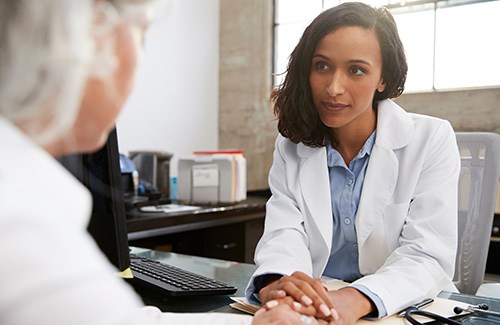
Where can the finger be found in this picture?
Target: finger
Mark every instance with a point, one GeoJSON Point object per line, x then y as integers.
{"type": "Point", "coordinates": [309, 291]}
{"type": "Point", "coordinates": [271, 292]}
{"type": "Point", "coordinates": [276, 294]}
{"type": "Point", "coordinates": [294, 305]}
{"type": "Point", "coordinates": [322, 301]}
{"type": "Point", "coordinates": [306, 290]}
{"type": "Point", "coordinates": [271, 304]}
{"type": "Point", "coordinates": [335, 315]}
{"type": "Point", "coordinates": [317, 284]}
{"type": "Point", "coordinates": [291, 286]}
{"type": "Point", "coordinates": [289, 301]}
{"type": "Point", "coordinates": [323, 283]}
{"type": "Point", "coordinates": [305, 310]}
{"type": "Point", "coordinates": [260, 311]}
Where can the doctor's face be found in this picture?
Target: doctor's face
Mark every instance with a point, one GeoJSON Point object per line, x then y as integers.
{"type": "Point", "coordinates": [346, 72]}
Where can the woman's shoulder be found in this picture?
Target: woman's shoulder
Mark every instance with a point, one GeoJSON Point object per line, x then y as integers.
{"type": "Point", "coordinates": [430, 124]}
{"type": "Point", "coordinates": [398, 128]}
{"type": "Point", "coordinates": [435, 132]}
{"type": "Point", "coordinates": [299, 150]}
{"type": "Point", "coordinates": [284, 143]}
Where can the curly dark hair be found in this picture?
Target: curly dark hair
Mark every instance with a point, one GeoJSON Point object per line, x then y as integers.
{"type": "Point", "coordinates": [298, 119]}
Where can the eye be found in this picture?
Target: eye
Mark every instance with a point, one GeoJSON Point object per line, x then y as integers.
{"type": "Point", "coordinates": [320, 66]}
{"type": "Point", "coordinates": [357, 71]}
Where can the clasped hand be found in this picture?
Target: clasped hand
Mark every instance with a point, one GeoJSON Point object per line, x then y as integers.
{"type": "Point", "coordinates": [310, 297]}
{"type": "Point", "coordinates": [303, 294]}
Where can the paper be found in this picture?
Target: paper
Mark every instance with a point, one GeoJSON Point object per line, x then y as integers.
{"type": "Point", "coordinates": [441, 306]}
{"type": "Point", "coordinates": [205, 175]}
{"type": "Point", "coordinates": [126, 274]}
{"type": "Point", "coordinates": [168, 208]}
{"type": "Point", "coordinates": [242, 304]}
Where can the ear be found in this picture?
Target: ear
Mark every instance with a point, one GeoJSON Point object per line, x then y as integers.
{"type": "Point", "coordinates": [381, 86]}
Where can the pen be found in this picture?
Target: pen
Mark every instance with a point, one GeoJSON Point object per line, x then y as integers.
{"type": "Point", "coordinates": [418, 305]}
{"type": "Point", "coordinates": [483, 312]}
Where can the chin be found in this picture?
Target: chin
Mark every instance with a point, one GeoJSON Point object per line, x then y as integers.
{"type": "Point", "coordinates": [93, 144]}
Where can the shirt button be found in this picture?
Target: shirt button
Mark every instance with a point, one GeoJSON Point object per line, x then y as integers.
{"type": "Point", "coordinates": [347, 221]}
{"type": "Point", "coordinates": [355, 245]}
{"type": "Point", "coordinates": [349, 181]}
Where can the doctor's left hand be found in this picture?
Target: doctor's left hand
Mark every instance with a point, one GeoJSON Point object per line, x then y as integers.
{"type": "Point", "coordinates": [302, 293]}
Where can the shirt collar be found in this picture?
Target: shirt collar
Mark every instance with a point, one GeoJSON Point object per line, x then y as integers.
{"type": "Point", "coordinates": [335, 159]}
{"type": "Point", "coordinates": [368, 146]}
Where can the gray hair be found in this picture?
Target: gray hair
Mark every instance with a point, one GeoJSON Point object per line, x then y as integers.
{"type": "Point", "coordinates": [47, 52]}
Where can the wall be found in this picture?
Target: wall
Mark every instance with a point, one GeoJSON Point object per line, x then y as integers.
{"type": "Point", "coordinates": [467, 110]}
{"type": "Point", "coordinates": [175, 102]}
{"type": "Point", "coordinates": [246, 120]}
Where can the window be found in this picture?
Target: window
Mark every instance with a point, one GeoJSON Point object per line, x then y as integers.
{"type": "Point", "coordinates": [416, 29]}
{"type": "Point", "coordinates": [467, 51]}
{"type": "Point", "coordinates": [449, 44]}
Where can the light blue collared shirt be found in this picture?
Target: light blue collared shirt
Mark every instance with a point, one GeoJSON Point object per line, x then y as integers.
{"type": "Point", "coordinates": [346, 183]}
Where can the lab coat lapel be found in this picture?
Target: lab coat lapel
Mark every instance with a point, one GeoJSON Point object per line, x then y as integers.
{"type": "Point", "coordinates": [315, 186]}
{"type": "Point", "coordinates": [394, 131]}
{"type": "Point", "coordinates": [379, 184]}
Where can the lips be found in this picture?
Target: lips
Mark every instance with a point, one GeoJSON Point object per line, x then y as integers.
{"type": "Point", "coordinates": [333, 107]}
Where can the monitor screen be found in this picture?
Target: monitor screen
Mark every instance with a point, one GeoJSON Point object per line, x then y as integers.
{"type": "Point", "coordinates": [100, 173]}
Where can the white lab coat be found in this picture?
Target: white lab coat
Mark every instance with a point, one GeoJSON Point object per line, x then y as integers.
{"type": "Point", "coordinates": [406, 223]}
{"type": "Point", "coordinates": [51, 272]}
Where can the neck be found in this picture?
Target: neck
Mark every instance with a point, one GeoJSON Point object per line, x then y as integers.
{"type": "Point", "coordinates": [349, 139]}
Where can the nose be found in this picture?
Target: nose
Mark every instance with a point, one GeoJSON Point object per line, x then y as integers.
{"type": "Point", "coordinates": [336, 87]}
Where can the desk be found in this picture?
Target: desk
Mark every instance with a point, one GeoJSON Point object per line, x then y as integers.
{"type": "Point", "coordinates": [233, 273]}
{"type": "Point", "coordinates": [228, 231]}
{"type": "Point", "coordinates": [494, 304]}
{"type": "Point", "coordinates": [236, 274]}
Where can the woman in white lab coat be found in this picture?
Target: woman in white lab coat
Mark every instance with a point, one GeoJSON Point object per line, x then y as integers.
{"type": "Point", "coordinates": [361, 190]}
{"type": "Point", "coordinates": [66, 68]}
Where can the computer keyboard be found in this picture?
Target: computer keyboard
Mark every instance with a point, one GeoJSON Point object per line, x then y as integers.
{"type": "Point", "coordinates": [173, 281]}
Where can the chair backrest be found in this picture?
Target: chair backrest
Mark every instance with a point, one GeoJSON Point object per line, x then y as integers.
{"type": "Point", "coordinates": [478, 183]}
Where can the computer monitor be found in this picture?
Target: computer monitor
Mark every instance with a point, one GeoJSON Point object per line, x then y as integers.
{"type": "Point", "coordinates": [100, 173]}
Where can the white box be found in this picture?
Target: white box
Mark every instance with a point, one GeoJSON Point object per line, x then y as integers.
{"type": "Point", "coordinates": [212, 178]}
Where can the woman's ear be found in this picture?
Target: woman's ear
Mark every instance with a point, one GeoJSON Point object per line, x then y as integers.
{"type": "Point", "coordinates": [381, 86]}
{"type": "Point", "coordinates": [106, 20]}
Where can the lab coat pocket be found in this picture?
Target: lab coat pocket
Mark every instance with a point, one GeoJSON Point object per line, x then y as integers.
{"type": "Point", "coordinates": [394, 219]}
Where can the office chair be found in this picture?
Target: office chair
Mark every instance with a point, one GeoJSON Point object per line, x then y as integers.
{"type": "Point", "coordinates": [478, 182]}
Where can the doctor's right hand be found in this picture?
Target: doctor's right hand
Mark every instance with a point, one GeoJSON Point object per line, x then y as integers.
{"type": "Point", "coordinates": [301, 293]}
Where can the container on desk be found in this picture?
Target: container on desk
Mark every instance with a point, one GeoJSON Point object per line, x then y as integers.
{"type": "Point", "coordinates": [211, 177]}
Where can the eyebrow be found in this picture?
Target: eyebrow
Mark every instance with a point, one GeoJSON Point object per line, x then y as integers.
{"type": "Point", "coordinates": [358, 61]}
